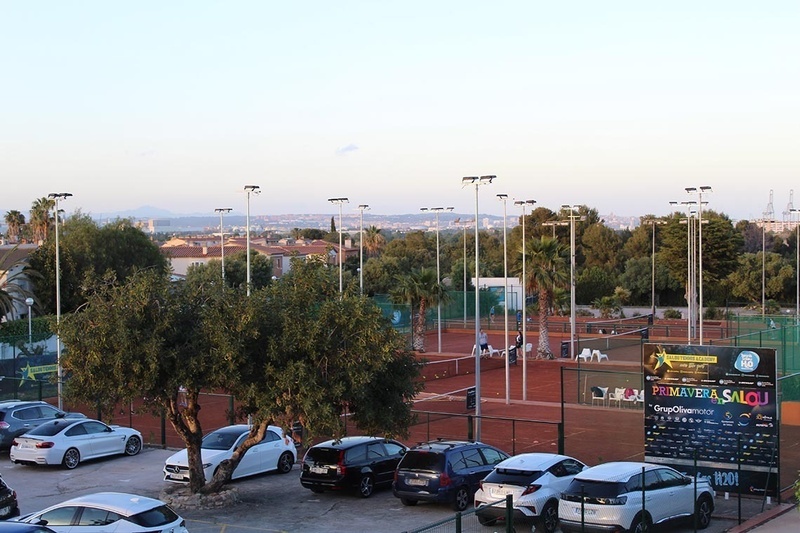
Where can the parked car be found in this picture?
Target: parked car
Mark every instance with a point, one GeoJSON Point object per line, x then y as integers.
{"type": "Point", "coordinates": [534, 481]}
{"type": "Point", "coordinates": [275, 452]}
{"type": "Point", "coordinates": [18, 417]}
{"type": "Point", "coordinates": [69, 441]}
{"type": "Point", "coordinates": [444, 471]}
{"type": "Point", "coordinates": [8, 501]}
{"type": "Point", "coordinates": [109, 511]}
{"type": "Point", "coordinates": [608, 497]}
{"type": "Point", "coordinates": [362, 463]}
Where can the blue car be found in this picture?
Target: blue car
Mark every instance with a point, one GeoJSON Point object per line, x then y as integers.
{"type": "Point", "coordinates": [444, 471]}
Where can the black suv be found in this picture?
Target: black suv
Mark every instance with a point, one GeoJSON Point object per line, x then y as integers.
{"type": "Point", "coordinates": [19, 416]}
{"type": "Point", "coordinates": [362, 463]}
{"type": "Point", "coordinates": [8, 501]}
{"type": "Point", "coordinates": [444, 471]}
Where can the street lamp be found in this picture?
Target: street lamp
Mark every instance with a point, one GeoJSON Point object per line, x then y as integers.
{"type": "Point", "coordinates": [222, 211]}
{"type": "Point", "coordinates": [699, 191]}
{"type": "Point", "coordinates": [249, 189]}
{"type": "Point", "coordinates": [361, 209]}
{"type": "Point", "coordinates": [504, 198]}
{"type": "Point", "coordinates": [339, 201]}
{"type": "Point", "coordinates": [29, 303]}
{"type": "Point", "coordinates": [464, 225]}
{"type": "Point", "coordinates": [438, 210]}
{"type": "Point", "coordinates": [653, 222]}
{"type": "Point", "coordinates": [572, 217]}
{"type": "Point", "coordinates": [691, 271]}
{"type": "Point", "coordinates": [554, 223]}
{"type": "Point", "coordinates": [56, 196]}
{"type": "Point", "coordinates": [477, 181]}
{"type": "Point", "coordinates": [797, 270]}
{"type": "Point", "coordinates": [524, 203]}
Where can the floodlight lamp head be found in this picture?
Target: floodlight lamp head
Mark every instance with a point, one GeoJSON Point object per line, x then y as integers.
{"type": "Point", "coordinates": [488, 179]}
{"type": "Point", "coordinates": [255, 189]}
{"type": "Point", "coordinates": [469, 179]}
{"type": "Point", "coordinates": [223, 209]}
{"type": "Point", "coordinates": [449, 208]}
{"type": "Point", "coordinates": [502, 196]}
{"type": "Point", "coordinates": [59, 195]}
{"type": "Point", "coordinates": [363, 206]}
{"type": "Point", "coordinates": [691, 189]}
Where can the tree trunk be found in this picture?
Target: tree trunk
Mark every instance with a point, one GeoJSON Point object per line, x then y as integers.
{"type": "Point", "coordinates": [226, 467]}
{"type": "Point", "coordinates": [419, 328]}
{"type": "Point", "coordinates": [543, 350]}
{"type": "Point", "coordinates": [186, 424]}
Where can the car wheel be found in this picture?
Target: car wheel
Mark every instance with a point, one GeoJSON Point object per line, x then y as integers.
{"type": "Point", "coordinates": [548, 519]}
{"type": "Point", "coordinates": [366, 486]}
{"type": "Point", "coordinates": [285, 463]}
{"type": "Point", "coordinates": [641, 524]}
{"type": "Point", "coordinates": [703, 511]}
{"type": "Point", "coordinates": [133, 446]}
{"type": "Point", "coordinates": [408, 502]}
{"type": "Point", "coordinates": [71, 458]}
{"type": "Point", "coordinates": [486, 521]}
{"type": "Point", "coordinates": [462, 498]}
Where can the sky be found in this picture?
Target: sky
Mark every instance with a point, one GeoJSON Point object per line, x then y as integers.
{"type": "Point", "coordinates": [618, 105]}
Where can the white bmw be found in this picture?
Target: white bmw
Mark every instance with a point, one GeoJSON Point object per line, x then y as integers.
{"type": "Point", "coordinates": [67, 442]}
{"type": "Point", "coordinates": [275, 452]}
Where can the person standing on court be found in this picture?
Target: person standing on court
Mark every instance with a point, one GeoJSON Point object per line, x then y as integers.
{"type": "Point", "coordinates": [483, 342]}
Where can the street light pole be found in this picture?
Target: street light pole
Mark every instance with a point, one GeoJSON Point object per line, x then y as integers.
{"type": "Point", "coordinates": [56, 196]}
{"type": "Point", "coordinates": [464, 225]}
{"type": "Point", "coordinates": [700, 190]}
{"type": "Point", "coordinates": [249, 189]}
{"type": "Point", "coordinates": [438, 210]}
{"type": "Point", "coordinates": [797, 269]}
{"type": "Point", "coordinates": [29, 303]}
{"type": "Point", "coordinates": [477, 181]}
{"type": "Point", "coordinates": [504, 198]}
{"type": "Point", "coordinates": [361, 209]}
{"type": "Point", "coordinates": [340, 201]}
{"type": "Point", "coordinates": [524, 203]}
{"type": "Point", "coordinates": [222, 211]}
{"type": "Point", "coordinates": [572, 216]}
{"type": "Point", "coordinates": [653, 222]}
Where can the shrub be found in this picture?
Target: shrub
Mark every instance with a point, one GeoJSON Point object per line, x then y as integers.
{"type": "Point", "coordinates": [672, 313]}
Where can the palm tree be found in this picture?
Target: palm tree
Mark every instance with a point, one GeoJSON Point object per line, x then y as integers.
{"type": "Point", "coordinates": [14, 220]}
{"type": "Point", "coordinates": [373, 241]}
{"type": "Point", "coordinates": [546, 271]}
{"type": "Point", "coordinates": [421, 290]}
{"type": "Point", "coordinates": [15, 282]}
{"type": "Point", "coordinates": [40, 218]}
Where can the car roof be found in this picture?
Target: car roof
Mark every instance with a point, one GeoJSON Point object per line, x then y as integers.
{"type": "Point", "coordinates": [444, 445]}
{"type": "Point", "coordinates": [348, 442]}
{"type": "Point", "coordinates": [616, 471]}
{"type": "Point", "coordinates": [531, 461]}
{"type": "Point", "coordinates": [122, 503]}
{"type": "Point", "coordinates": [243, 428]}
{"type": "Point", "coordinates": [21, 403]}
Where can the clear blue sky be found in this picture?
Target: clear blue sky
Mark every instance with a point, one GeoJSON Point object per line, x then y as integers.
{"type": "Point", "coordinates": [619, 105]}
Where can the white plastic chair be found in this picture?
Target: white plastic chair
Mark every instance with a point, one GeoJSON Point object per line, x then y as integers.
{"type": "Point", "coordinates": [600, 356]}
{"type": "Point", "coordinates": [585, 355]}
{"type": "Point", "coordinates": [528, 349]}
{"type": "Point", "coordinates": [599, 397]}
{"type": "Point", "coordinates": [617, 396]}
{"type": "Point", "coordinates": [631, 399]}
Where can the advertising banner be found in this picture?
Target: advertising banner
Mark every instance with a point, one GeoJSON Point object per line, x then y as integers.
{"type": "Point", "coordinates": [715, 405]}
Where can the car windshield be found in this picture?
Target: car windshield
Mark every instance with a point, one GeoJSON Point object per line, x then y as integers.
{"type": "Point", "coordinates": [595, 489]}
{"type": "Point", "coordinates": [221, 439]}
{"type": "Point", "coordinates": [421, 460]}
{"type": "Point", "coordinates": [50, 429]}
{"type": "Point", "coordinates": [510, 476]}
{"type": "Point", "coordinates": [155, 517]}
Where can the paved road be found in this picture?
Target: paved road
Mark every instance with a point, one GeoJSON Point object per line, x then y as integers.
{"type": "Point", "coordinates": [269, 503]}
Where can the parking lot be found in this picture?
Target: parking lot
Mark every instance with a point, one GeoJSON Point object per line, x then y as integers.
{"type": "Point", "coordinates": [268, 503]}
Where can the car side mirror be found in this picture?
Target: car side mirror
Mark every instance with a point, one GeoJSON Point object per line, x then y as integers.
{"type": "Point", "coordinates": [61, 415]}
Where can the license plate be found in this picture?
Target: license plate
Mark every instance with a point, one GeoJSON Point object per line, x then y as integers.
{"type": "Point", "coordinates": [502, 491]}
{"type": "Point", "coordinates": [417, 482]}
{"type": "Point", "coordinates": [5, 510]}
{"type": "Point", "coordinates": [175, 476]}
{"type": "Point", "coordinates": [318, 470]}
{"type": "Point", "coordinates": [586, 512]}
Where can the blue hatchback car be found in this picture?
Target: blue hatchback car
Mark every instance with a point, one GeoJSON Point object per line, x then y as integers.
{"type": "Point", "coordinates": [444, 471]}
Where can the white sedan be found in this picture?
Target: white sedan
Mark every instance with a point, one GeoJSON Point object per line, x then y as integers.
{"type": "Point", "coordinates": [275, 452]}
{"type": "Point", "coordinates": [69, 441]}
{"type": "Point", "coordinates": [104, 512]}
{"type": "Point", "coordinates": [534, 481]}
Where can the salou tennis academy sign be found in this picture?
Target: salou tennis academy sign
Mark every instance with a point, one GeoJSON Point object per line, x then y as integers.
{"type": "Point", "coordinates": [715, 404]}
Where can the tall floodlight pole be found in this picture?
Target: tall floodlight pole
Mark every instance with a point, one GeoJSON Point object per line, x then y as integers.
{"type": "Point", "coordinates": [524, 203]}
{"type": "Point", "coordinates": [56, 196]}
{"type": "Point", "coordinates": [361, 209]}
{"type": "Point", "coordinates": [653, 222]}
{"type": "Point", "coordinates": [572, 216]}
{"type": "Point", "coordinates": [249, 189]}
{"type": "Point", "coordinates": [464, 225]}
{"type": "Point", "coordinates": [797, 268]}
{"type": "Point", "coordinates": [689, 268]}
{"type": "Point", "coordinates": [222, 211]}
{"type": "Point", "coordinates": [436, 211]}
{"type": "Point", "coordinates": [29, 303]}
{"type": "Point", "coordinates": [340, 201]}
{"type": "Point", "coordinates": [504, 198]}
{"type": "Point", "coordinates": [699, 191]}
{"type": "Point", "coordinates": [477, 181]}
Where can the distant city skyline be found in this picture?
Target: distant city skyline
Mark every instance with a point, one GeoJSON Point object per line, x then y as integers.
{"type": "Point", "coordinates": [615, 105]}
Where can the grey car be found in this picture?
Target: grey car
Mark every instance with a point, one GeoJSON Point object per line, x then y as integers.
{"type": "Point", "coordinates": [20, 416]}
